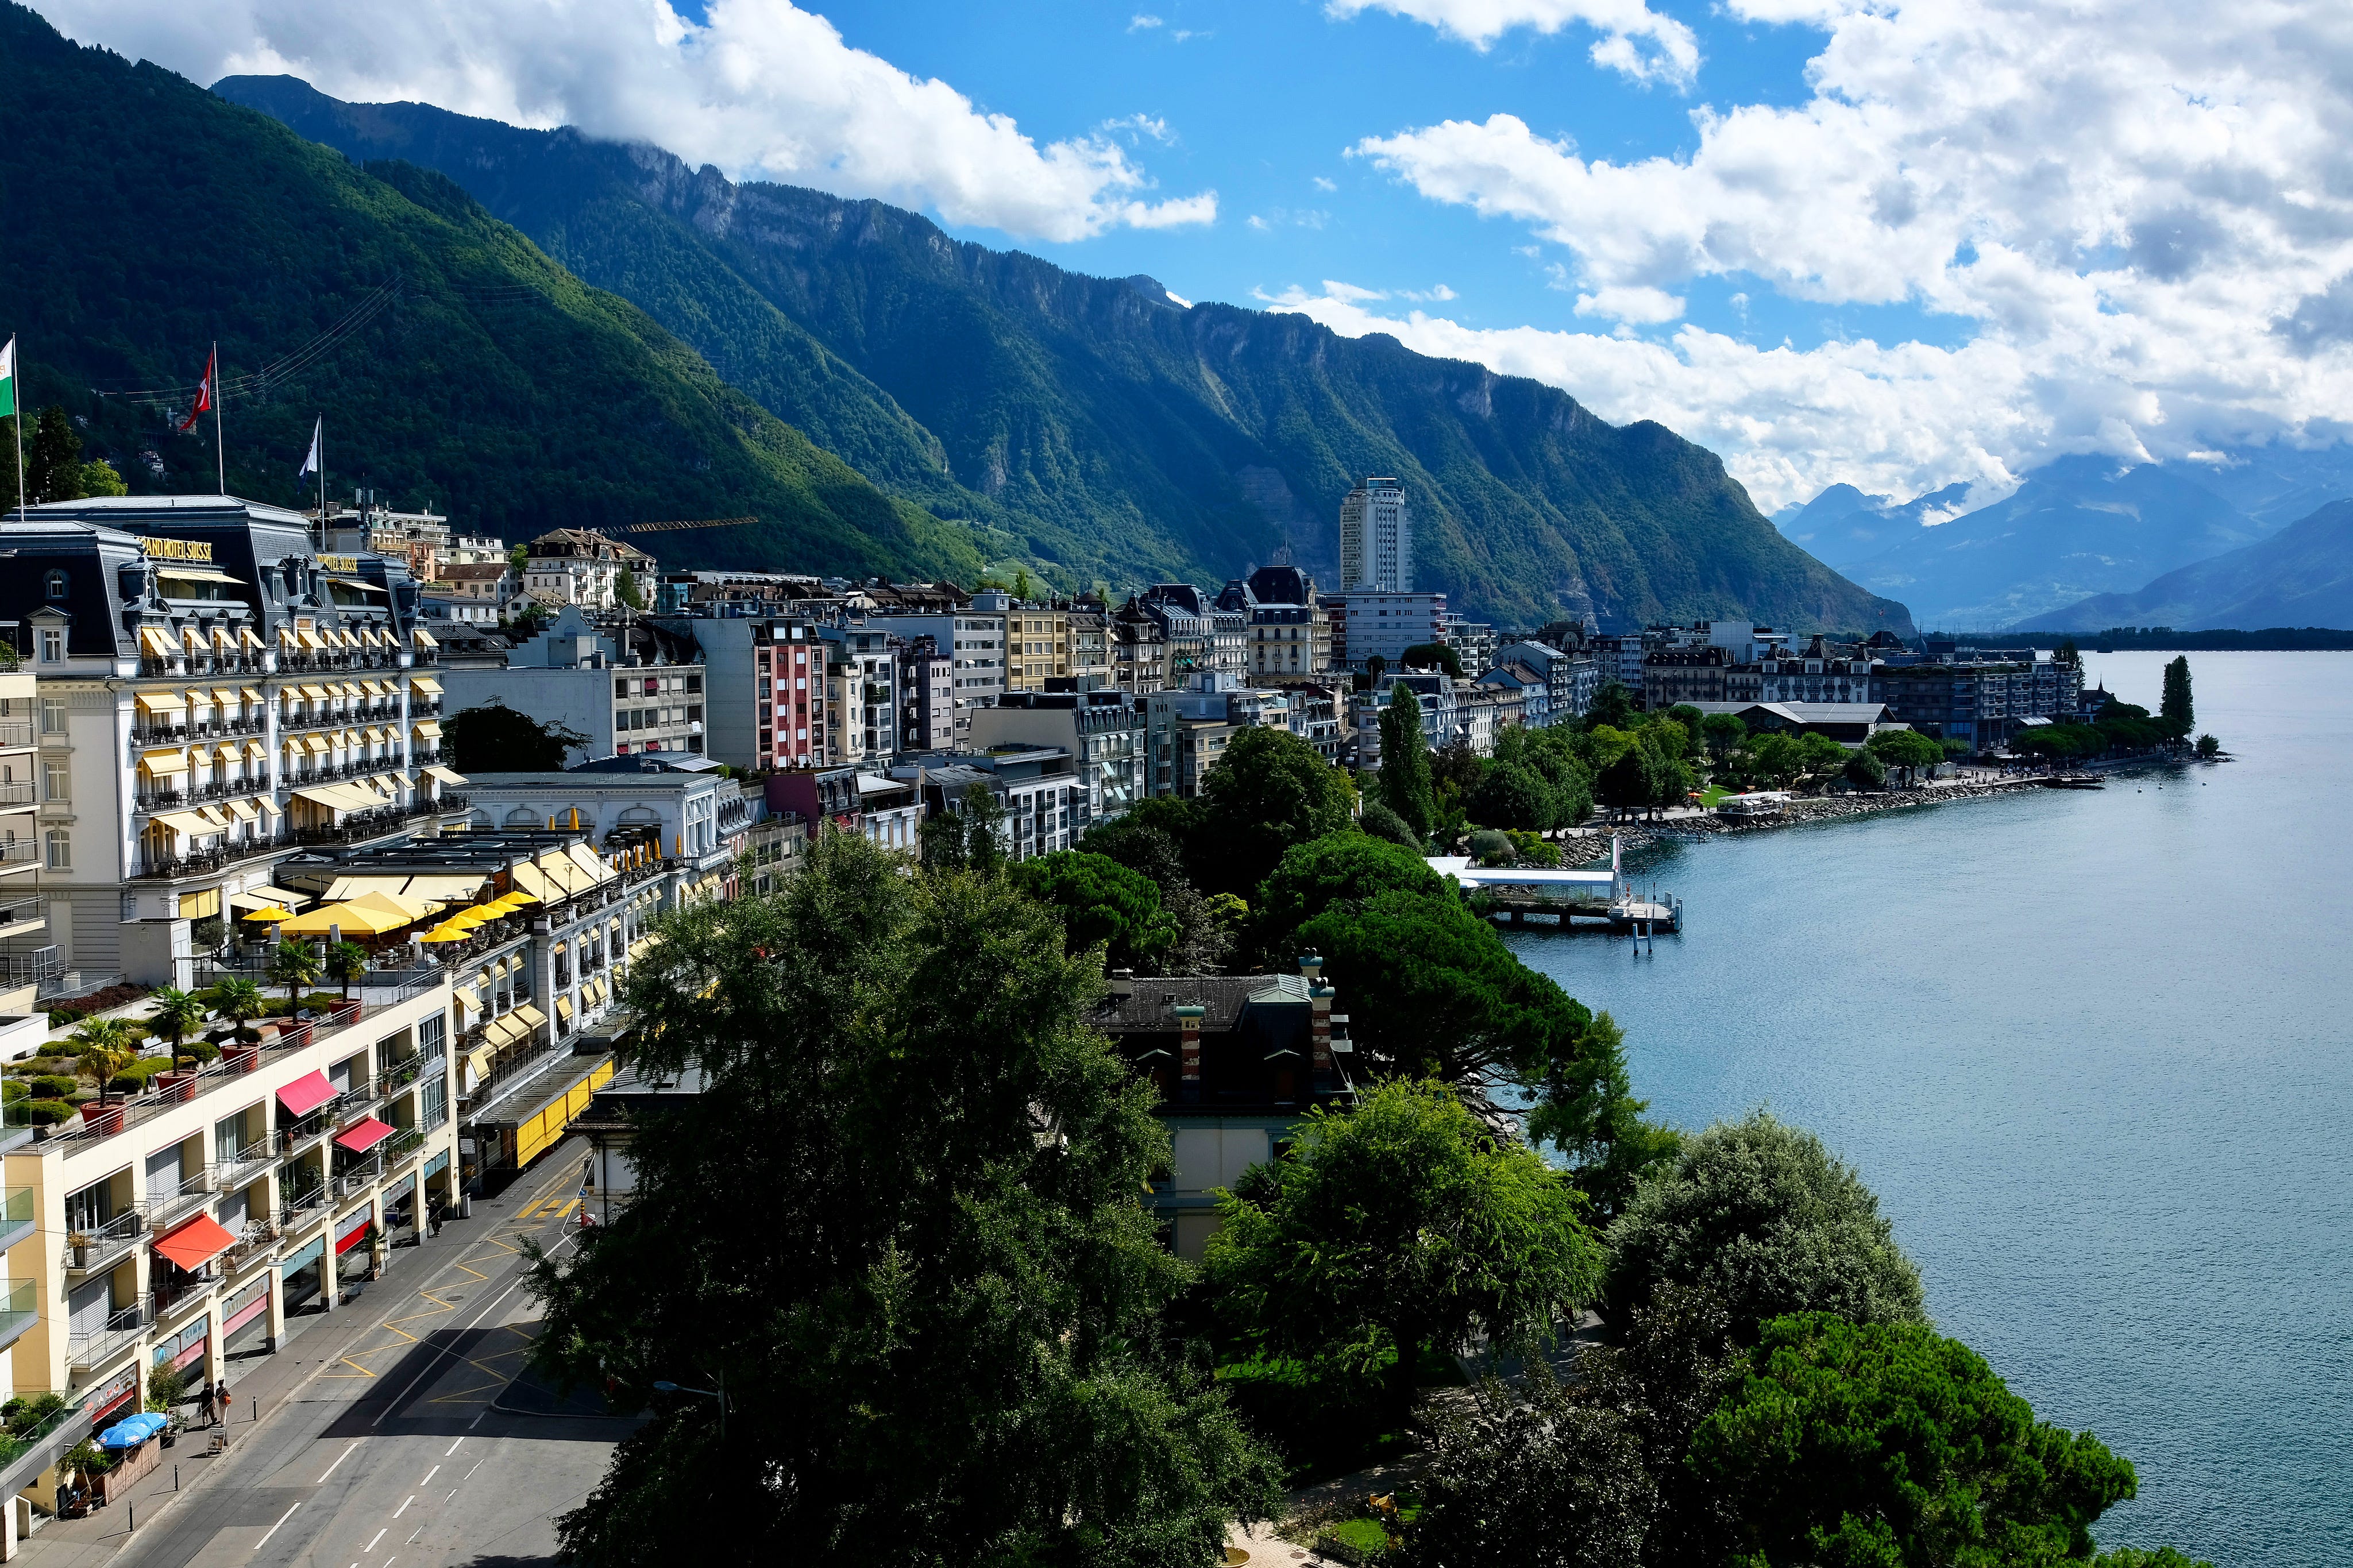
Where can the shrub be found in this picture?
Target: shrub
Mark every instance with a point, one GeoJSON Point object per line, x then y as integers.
{"type": "Point", "coordinates": [1490, 847]}
{"type": "Point", "coordinates": [41, 1112]}
{"type": "Point", "coordinates": [14, 1089]}
{"type": "Point", "coordinates": [200, 1050]}
{"type": "Point", "coordinates": [60, 1017]}
{"type": "Point", "coordinates": [1379, 821]}
{"type": "Point", "coordinates": [1533, 849]}
{"type": "Point", "coordinates": [61, 1047]}
{"type": "Point", "coordinates": [51, 1086]}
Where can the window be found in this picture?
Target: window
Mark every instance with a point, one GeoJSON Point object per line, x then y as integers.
{"type": "Point", "coordinates": [53, 644]}
{"type": "Point", "coordinates": [60, 846]}
{"type": "Point", "coordinates": [55, 585]}
{"type": "Point", "coordinates": [620, 688]}
{"type": "Point", "coordinates": [57, 779]}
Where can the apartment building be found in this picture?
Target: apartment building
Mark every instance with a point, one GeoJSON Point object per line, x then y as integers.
{"type": "Point", "coordinates": [861, 694]}
{"type": "Point", "coordinates": [1037, 645]}
{"type": "Point", "coordinates": [1438, 697]}
{"type": "Point", "coordinates": [29, 958]}
{"type": "Point", "coordinates": [1289, 635]}
{"type": "Point", "coordinates": [639, 689]}
{"type": "Point", "coordinates": [195, 1220]}
{"type": "Point", "coordinates": [975, 634]}
{"type": "Point", "coordinates": [578, 566]}
{"type": "Point", "coordinates": [1385, 625]}
{"type": "Point", "coordinates": [1821, 672]}
{"type": "Point", "coordinates": [1139, 650]}
{"type": "Point", "coordinates": [926, 687]}
{"type": "Point", "coordinates": [420, 539]}
{"type": "Point", "coordinates": [1188, 728]}
{"type": "Point", "coordinates": [763, 686]}
{"type": "Point", "coordinates": [1102, 729]}
{"type": "Point", "coordinates": [1376, 538]}
{"type": "Point", "coordinates": [1037, 791]}
{"type": "Point", "coordinates": [1570, 679]}
{"type": "Point", "coordinates": [212, 692]}
{"type": "Point", "coordinates": [1200, 637]}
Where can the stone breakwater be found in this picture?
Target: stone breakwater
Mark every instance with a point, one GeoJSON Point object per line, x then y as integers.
{"type": "Point", "coordinates": [1584, 846]}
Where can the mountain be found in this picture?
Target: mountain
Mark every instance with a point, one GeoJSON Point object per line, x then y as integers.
{"type": "Point", "coordinates": [1843, 526]}
{"type": "Point", "coordinates": [1099, 427]}
{"type": "Point", "coordinates": [2078, 526]}
{"type": "Point", "coordinates": [2300, 577]}
{"type": "Point", "coordinates": [147, 219]}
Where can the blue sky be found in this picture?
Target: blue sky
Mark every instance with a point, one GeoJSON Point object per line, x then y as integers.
{"type": "Point", "coordinates": [1902, 245]}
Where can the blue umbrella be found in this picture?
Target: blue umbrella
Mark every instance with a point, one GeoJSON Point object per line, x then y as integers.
{"type": "Point", "coordinates": [132, 1431]}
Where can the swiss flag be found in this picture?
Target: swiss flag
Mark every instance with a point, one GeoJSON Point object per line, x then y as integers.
{"type": "Point", "coordinates": [203, 394]}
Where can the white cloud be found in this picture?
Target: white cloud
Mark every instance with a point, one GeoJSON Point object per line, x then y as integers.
{"type": "Point", "coordinates": [1140, 23]}
{"type": "Point", "coordinates": [1142, 125]}
{"type": "Point", "coordinates": [760, 88]}
{"type": "Point", "coordinates": [1635, 39]}
{"type": "Point", "coordinates": [1440, 294]}
{"type": "Point", "coordinates": [1634, 303]}
{"type": "Point", "coordinates": [1324, 184]}
{"type": "Point", "coordinates": [2134, 220]}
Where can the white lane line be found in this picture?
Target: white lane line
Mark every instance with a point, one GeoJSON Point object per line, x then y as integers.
{"type": "Point", "coordinates": [453, 1492]}
{"type": "Point", "coordinates": [453, 1448]}
{"type": "Point", "coordinates": [371, 1540]}
{"type": "Point", "coordinates": [412, 1540]}
{"type": "Point", "coordinates": [429, 1474]}
{"type": "Point", "coordinates": [478, 1465]}
{"type": "Point", "coordinates": [477, 1421]}
{"type": "Point", "coordinates": [404, 1507]}
{"type": "Point", "coordinates": [339, 1459]}
{"type": "Point", "coordinates": [273, 1528]}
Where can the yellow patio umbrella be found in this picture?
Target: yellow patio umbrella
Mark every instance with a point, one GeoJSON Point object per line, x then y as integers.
{"type": "Point", "coordinates": [467, 920]}
{"type": "Point", "coordinates": [448, 930]}
{"type": "Point", "coordinates": [271, 915]}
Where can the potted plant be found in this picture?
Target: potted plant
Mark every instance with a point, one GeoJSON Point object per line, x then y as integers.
{"type": "Point", "coordinates": [177, 1015]}
{"type": "Point", "coordinates": [78, 1243]}
{"type": "Point", "coordinates": [294, 966]}
{"type": "Point", "coordinates": [106, 1049]}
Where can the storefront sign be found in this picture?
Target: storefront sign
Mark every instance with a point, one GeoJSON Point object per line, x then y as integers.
{"type": "Point", "coordinates": [177, 549]}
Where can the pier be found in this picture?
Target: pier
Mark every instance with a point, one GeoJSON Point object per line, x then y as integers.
{"type": "Point", "coordinates": [1528, 895]}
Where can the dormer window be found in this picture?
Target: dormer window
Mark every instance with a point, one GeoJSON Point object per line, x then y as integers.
{"type": "Point", "coordinates": [55, 585]}
{"type": "Point", "coordinates": [53, 644]}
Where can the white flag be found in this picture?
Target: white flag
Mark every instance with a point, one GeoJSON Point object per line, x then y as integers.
{"type": "Point", "coordinates": [311, 463]}
{"type": "Point", "coordinates": [9, 379]}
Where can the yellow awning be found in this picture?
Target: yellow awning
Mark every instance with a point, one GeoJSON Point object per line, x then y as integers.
{"type": "Point", "coordinates": [187, 822]}
{"type": "Point", "coordinates": [161, 701]}
{"type": "Point", "coordinates": [270, 914]}
{"type": "Point", "coordinates": [359, 917]}
{"type": "Point", "coordinates": [361, 584]}
{"type": "Point", "coordinates": [529, 1016]}
{"type": "Point", "coordinates": [153, 639]}
{"type": "Point", "coordinates": [226, 696]}
{"type": "Point", "coordinates": [221, 638]}
{"type": "Point", "coordinates": [316, 745]}
{"type": "Point", "coordinates": [264, 898]}
{"type": "Point", "coordinates": [226, 753]}
{"type": "Point", "coordinates": [436, 771]}
{"type": "Point", "coordinates": [255, 751]}
{"type": "Point", "coordinates": [163, 761]}
{"type": "Point", "coordinates": [373, 735]}
{"type": "Point", "coordinates": [251, 694]}
{"type": "Point", "coordinates": [373, 688]}
{"type": "Point", "coordinates": [191, 636]}
{"type": "Point", "coordinates": [315, 693]}
{"type": "Point", "coordinates": [309, 639]}
{"type": "Point", "coordinates": [425, 683]}
{"type": "Point", "coordinates": [196, 574]}
{"type": "Point", "coordinates": [242, 810]}
{"type": "Point", "coordinates": [214, 815]}
{"type": "Point", "coordinates": [424, 638]}
{"type": "Point", "coordinates": [528, 880]}
{"type": "Point", "coordinates": [478, 1058]}
{"type": "Point", "coordinates": [564, 1008]}
{"type": "Point", "coordinates": [591, 865]}
{"type": "Point", "coordinates": [246, 639]}
{"type": "Point", "coordinates": [425, 730]}
{"type": "Point", "coordinates": [268, 806]}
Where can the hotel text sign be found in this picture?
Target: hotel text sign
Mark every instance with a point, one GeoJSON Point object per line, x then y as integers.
{"type": "Point", "coordinates": [177, 549]}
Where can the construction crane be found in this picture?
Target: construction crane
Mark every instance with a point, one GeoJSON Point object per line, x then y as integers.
{"type": "Point", "coordinates": [675, 527]}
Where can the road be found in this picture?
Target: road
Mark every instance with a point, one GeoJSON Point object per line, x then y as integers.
{"type": "Point", "coordinates": [416, 1444]}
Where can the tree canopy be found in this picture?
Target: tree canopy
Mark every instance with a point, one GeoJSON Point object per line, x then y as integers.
{"type": "Point", "coordinates": [1103, 903]}
{"type": "Point", "coordinates": [1399, 1227]}
{"type": "Point", "coordinates": [1342, 868]}
{"type": "Point", "coordinates": [2176, 711]}
{"type": "Point", "coordinates": [1405, 786]}
{"type": "Point", "coordinates": [1885, 1444]}
{"type": "Point", "coordinates": [1268, 791]}
{"type": "Point", "coordinates": [940, 1325]}
{"type": "Point", "coordinates": [1758, 1214]}
{"type": "Point", "coordinates": [495, 738]}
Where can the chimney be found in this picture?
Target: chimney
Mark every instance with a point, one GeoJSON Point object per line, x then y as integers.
{"type": "Point", "coordinates": [1188, 1019]}
{"type": "Point", "coordinates": [1311, 965]}
{"type": "Point", "coordinates": [1122, 982]}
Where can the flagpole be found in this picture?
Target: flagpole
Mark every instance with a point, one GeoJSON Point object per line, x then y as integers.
{"type": "Point", "coordinates": [322, 480]}
{"type": "Point", "coordinates": [16, 417]}
{"type": "Point", "coordinates": [219, 451]}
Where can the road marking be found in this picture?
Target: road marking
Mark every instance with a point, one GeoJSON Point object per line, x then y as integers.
{"type": "Point", "coordinates": [477, 1421]}
{"type": "Point", "coordinates": [404, 1507]}
{"type": "Point", "coordinates": [273, 1528]}
{"type": "Point", "coordinates": [412, 1540]}
{"type": "Point", "coordinates": [339, 1459]}
{"type": "Point", "coordinates": [478, 1465]}
{"type": "Point", "coordinates": [354, 1366]}
{"type": "Point", "coordinates": [453, 1492]}
{"type": "Point", "coordinates": [453, 1448]}
{"type": "Point", "coordinates": [430, 1474]}
{"type": "Point", "coordinates": [372, 1540]}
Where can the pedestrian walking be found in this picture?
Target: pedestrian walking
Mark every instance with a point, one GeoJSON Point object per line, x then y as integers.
{"type": "Point", "coordinates": [220, 1397]}
{"type": "Point", "coordinates": [205, 1402]}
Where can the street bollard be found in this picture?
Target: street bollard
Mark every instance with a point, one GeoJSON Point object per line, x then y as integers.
{"type": "Point", "coordinates": [175, 1478]}
{"type": "Point", "coordinates": [133, 1509]}
{"type": "Point", "coordinates": [257, 1410]}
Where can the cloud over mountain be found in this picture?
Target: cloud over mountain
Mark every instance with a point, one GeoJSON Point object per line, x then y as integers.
{"type": "Point", "coordinates": [760, 87]}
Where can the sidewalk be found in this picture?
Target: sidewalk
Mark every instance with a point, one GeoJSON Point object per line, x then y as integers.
{"type": "Point", "coordinates": [264, 1382]}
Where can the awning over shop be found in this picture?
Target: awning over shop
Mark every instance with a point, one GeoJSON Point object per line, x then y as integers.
{"type": "Point", "coordinates": [306, 1094]}
{"type": "Point", "coordinates": [196, 1243]}
{"type": "Point", "coordinates": [364, 1136]}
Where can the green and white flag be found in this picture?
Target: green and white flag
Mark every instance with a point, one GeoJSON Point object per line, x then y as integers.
{"type": "Point", "coordinates": [9, 379]}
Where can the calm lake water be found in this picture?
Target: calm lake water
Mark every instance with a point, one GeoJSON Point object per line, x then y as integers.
{"type": "Point", "coordinates": [2095, 1052]}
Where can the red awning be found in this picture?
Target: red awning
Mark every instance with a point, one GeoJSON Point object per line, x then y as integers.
{"type": "Point", "coordinates": [196, 1243]}
{"type": "Point", "coordinates": [306, 1094]}
{"type": "Point", "coordinates": [364, 1137]}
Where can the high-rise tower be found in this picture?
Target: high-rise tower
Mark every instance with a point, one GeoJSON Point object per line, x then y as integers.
{"type": "Point", "coordinates": [1375, 539]}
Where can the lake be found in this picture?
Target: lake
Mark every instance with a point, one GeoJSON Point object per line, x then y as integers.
{"type": "Point", "coordinates": [2093, 1051]}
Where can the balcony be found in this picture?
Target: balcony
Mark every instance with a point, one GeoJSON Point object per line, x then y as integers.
{"type": "Point", "coordinates": [20, 1308]}
{"type": "Point", "coordinates": [19, 852]}
{"type": "Point", "coordinates": [121, 1331]}
{"type": "Point", "coordinates": [165, 868]}
{"type": "Point", "coordinates": [163, 1209]}
{"type": "Point", "coordinates": [239, 1169]}
{"type": "Point", "coordinates": [258, 1243]}
{"type": "Point", "coordinates": [16, 733]}
{"type": "Point", "coordinates": [417, 709]}
{"type": "Point", "coordinates": [403, 1147]}
{"type": "Point", "coordinates": [169, 1293]}
{"type": "Point", "coordinates": [303, 1207]}
{"type": "Point", "coordinates": [359, 1178]}
{"type": "Point", "coordinates": [299, 1137]}
{"type": "Point", "coordinates": [93, 1251]}
{"type": "Point", "coordinates": [17, 793]}
{"type": "Point", "coordinates": [18, 1218]}
{"type": "Point", "coordinates": [160, 799]}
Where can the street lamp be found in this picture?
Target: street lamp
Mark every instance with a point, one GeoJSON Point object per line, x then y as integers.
{"type": "Point", "coordinates": [719, 1394]}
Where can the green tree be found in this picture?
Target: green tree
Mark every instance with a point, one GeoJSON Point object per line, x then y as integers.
{"type": "Point", "coordinates": [238, 1001]}
{"type": "Point", "coordinates": [1380, 822]}
{"type": "Point", "coordinates": [1103, 903]}
{"type": "Point", "coordinates": [1758, 1215]}
{"type": "Point", "coordinates": [1585, 1107]}
{"type": "Point", "coordinates": [1343, 869]}
{"type": "Point", "coordinates": [1694, 724]}
{"type": "Point", "coordinates": [1885, 1444]}
{"type": "Point", "coordinates": [2176, 711]}
{"type": "Point", "coordinates": [1907, 749]}
{"type": "Point", "coordinates": [53, 460]}
{"type": "Point", "coordinates": [1628, 783]}
{"type": "Point", "coordinates": [519, 560]}
{"type": "Point", "coordinates": [1433, 656]}
{"type": "Point", "coordinates": [1551, 754]}
{"type": "Point", "coordinates": [1612, 706]}
{"type": "Point", "coordinates": [98, 479]}
{"type": "Point", "coordinates": [1024, 589]}
{"type": "Point", "coordinates": [939, 1330]}
{"type": "Point", "coordinates": [627, 591]}
{"type": "Point", "coordinates": [1406, 788]}
{"type": "Point", "coordinates": [1864, 771]}
{"type": "Point", "coordinates": [104, 1049]}
{"type": "Point", "coordinates": [2067, 653]}
{"type": "Point", "coordinates": [1819, 756]}
{"type": "Point", "coordinates": [1398, 1227]}
{"type": "Point", "coordinates": [176, 1014]}
{"type": "Point", "coordinates": [1775, 759]}
{"type": "Point", "coordinates": [1722, 734]}
{"type": "Point", "coordinates": [345, 963]}
{"type": "Point", "coordinates": [494, 737]}
{"type": "Point", "coordinates": [295, 967]}
{"type": "Point", "coordinates": [1270, 790]}
{"type": "Point", "coordinates": [1511, 796]}
{"type": "Point", "coordinates": [1156, 836]}
{"type": "Point", "coordinates": [2209, 747]}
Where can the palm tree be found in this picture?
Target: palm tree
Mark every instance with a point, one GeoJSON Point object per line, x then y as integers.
{"type": "Point", "coordinates": [240, 1001]}
{"type": "Point", "coordinates": [346, 962]}
{"type": "Point", "coordinates": [294, 966]}
{"type": "Point", "coordinates": [177, 1015]}
{"type": "Point", "coordinates": [106, 1051]}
